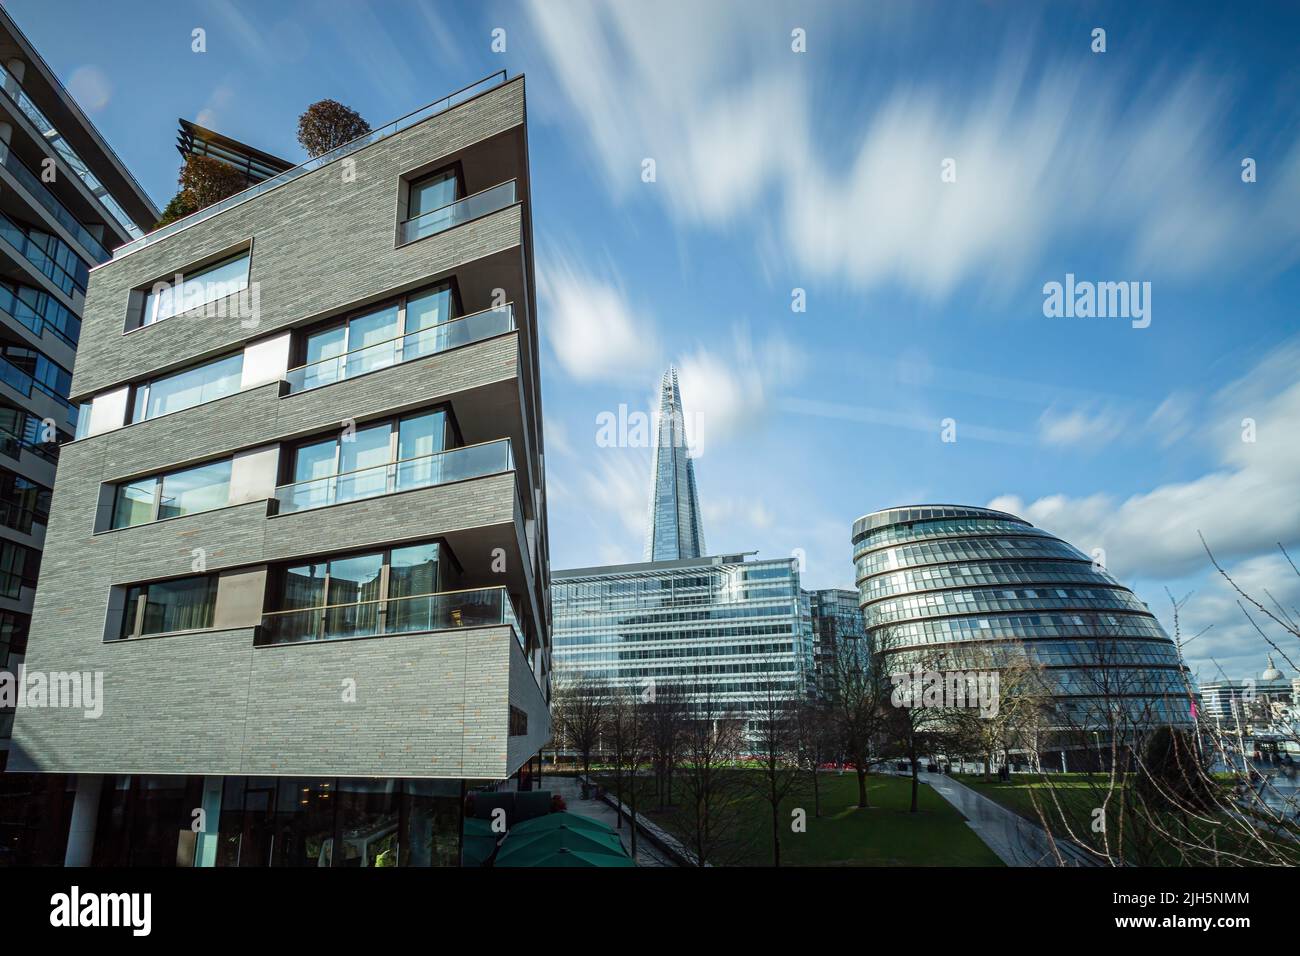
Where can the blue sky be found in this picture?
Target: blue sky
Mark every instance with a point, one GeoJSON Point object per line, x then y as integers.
{"type": "Point", "coordinates": [821, 171]}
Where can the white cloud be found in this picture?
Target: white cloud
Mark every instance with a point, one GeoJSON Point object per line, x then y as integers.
{"type": "Point", "coordinates": [1044, 151]}
{"type": "Point", "coordinates": [725, 393]}
{"type": "Point", "coordinates": [1079, 426]}
{"type": "Point", "coordinates": [595, 333]}
{"type": "Point", "coordinates": [1250, 501]}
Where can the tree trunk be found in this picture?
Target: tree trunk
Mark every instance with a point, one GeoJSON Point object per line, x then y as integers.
{"type": "Point", "coordinates": [915, 783]}
{"type": "Point", "coordinates": [817, 796]}
{"type": "Point", "coordinates": [776, 834]}
{"type": "Point", "coordinates": [862, 788]}
{"type": "Point", "coordinates": [632, 804]}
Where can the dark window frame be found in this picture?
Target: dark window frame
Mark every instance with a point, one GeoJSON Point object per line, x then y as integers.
{"type": "Point", "coordinates": [289, 450]}
{"type": "Point", "coordinates": [456, 168]}
{"type": "Point", "coordinates": [298, 344]}
{"type": "Point", "coordinates": [138, 297]}
{"type": "Point", "coordinates": [135, 616]}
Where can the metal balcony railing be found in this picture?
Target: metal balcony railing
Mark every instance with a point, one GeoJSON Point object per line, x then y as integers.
{"type": "Point", "coordinates": [413, 614]}
{"type": "Point", "coordinates": [289, 175]}
{"type": "Point", "coordinates": [53, 316]}
{"type": "Point", "coordinates": [459, 331]}
{"type": "Point", "coordinates": [439, 468]}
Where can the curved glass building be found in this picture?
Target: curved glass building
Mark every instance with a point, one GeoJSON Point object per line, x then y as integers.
{"type": "Point", "coordinates": [956, 587]}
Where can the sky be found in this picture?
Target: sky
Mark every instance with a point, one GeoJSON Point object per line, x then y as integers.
{"type": "Point", "coordinates": [838, 220]}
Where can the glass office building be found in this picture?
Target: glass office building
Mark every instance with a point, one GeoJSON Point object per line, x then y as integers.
{"type": "Point", "coordinates": [963, 587]}
{"type": "Point", "coordinates": [838, 629]}
{"type": "Point", "coordinates": [726, 628]}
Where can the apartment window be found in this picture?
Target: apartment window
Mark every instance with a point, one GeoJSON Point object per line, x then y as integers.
{"type": "Point", "coordinates": [339, 469]}
{"type": "Point", "coordinates": [194, 386]}
{"type": "Point", "coordinates": [19, 568]}
{"type": "Point", "coordinates": [518, 722]}
{"type": "Point", "coordinates": [168, 297]}
{"type": "Point", "coordinates": [438, 189]}
{"type": "Point", "coordinates": [359, 595]}
{"type": "Point", "coordinates": [163, 607]}
{"type": "Point", "coordinates": [375, 338]}
{"type": "Point", "coordinates": [172, 495]}
{"type": "Point", "coordinates": [22, 501]}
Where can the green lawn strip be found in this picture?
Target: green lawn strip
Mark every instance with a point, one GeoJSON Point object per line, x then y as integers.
{"type": "Point", "coordinates": [884, 835]}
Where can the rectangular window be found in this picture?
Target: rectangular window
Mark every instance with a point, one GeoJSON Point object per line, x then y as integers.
{"type": "Point", "coordinates": [358, 595]}
{"type": "Point", "coordinates": [377, 338]}
{"type": "Point", "coordinates": [518, 722]}
{"type": "Point", "coordinates": [186, 389]}
{"type": "Point", "coordinates": [433, 192]}
{"type": "Point", "coordinates": [335, 471]}
{"type": "Point", "coordinates": [168, 297]}
{"type": "Point", "coordinates": [163, 607]}
{"type": "Point", "coordinates": [172, 495]}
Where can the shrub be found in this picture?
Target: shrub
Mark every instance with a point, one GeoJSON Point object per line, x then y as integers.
{"type": "Point", "coordinates": [327, 125]}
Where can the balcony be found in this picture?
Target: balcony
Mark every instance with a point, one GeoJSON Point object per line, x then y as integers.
{"type": "Point", "coordinates": [52, 136]}
{"type": "Point", "coordinates": [47, 265]}
{"type": "Point", "coordinates": [54, 316]}
{"type": "Point", "coordinates": [440, 468]}
{"type": "Point", "coordinates": [436, 338]}
{"type": "Point", "coordinates": [289, 175]}
{"type": "Point", "coordinates": [454, 214]}
{"type": "Point", "coordinates": [22, 383]}
{"type": "Point", "coordinates": [416, 614]}
{"type": "Point", "coordinates": [32, 183]}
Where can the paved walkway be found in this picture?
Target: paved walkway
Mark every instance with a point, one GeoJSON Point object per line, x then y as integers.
{"type": "Point", "coordinates": [567, 787]}
{"type": "Point", "coordinates": [1015, 840]}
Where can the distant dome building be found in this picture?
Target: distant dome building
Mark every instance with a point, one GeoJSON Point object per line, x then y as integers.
{"type": "Point", "coordinates": [963, 586]}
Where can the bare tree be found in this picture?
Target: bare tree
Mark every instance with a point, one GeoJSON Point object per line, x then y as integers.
{"type": "Point", "coordinates": [859, 696]}
{"type": "Point", "coordinates": [711, 812]}
{"type": "Point", "coordinates": [814, 743]}
{"type": "Point", "coordinates": [579, 710]}
{"type": "Point", "coordinates": [665, 714]}
{"type": "Point", "coordinates": [774, 743]}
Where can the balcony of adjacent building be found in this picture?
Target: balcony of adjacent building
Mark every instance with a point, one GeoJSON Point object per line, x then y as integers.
{"type": "Point", "coordinates": [46, 124]}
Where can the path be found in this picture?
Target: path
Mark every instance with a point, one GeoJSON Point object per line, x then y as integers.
{"type": "Point", "coordinates": [567, 787]}
{"type": "Point", "coordinates": [1015, 840]}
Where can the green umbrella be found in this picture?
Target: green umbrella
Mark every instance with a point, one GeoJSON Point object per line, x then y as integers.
{"type": "Point", "coordinates": [530, 849]}
{"type": "Point", "coordinates": [573, 858]}
{"type": "Point", "coordinates": [573, 821]}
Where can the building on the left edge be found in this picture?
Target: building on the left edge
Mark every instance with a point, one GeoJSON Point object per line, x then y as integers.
{"type": "Point", "coordinates": [301, 535]}
{"type": "Point", "coordinates": [66, 200]}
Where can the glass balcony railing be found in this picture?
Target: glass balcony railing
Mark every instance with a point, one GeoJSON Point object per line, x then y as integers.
{"type": "Point", "coordinates": [436, 338]}
{"type": "Point", "coordinates": [453, 214]}
{"type": "Point", "coordinates": [23, 383]}
{"type": "Point", "coordinates": [32, 183]}
{"type": "Point", "coordinates": [440, 611]}
{"type": "Point", "coordinates": [60, 145]}
{"type": "Point", "coordinates": [440, 468]}
{"type": "Point", "coordinates": [53, 316]}
{"type": "Point", "coordinates": [42, 260]}
{"type": "Point", "coordinates": [289, 175]}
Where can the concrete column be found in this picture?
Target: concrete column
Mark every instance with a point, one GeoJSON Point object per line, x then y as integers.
{"type": "Point", "coordinates": [85, 813]}
{"type": "Point", "coordinates": [205, 853]}
{"type": "Point", "coordinates": [17, 70]}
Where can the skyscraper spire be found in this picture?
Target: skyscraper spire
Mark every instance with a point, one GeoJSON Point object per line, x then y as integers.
{"type": "Point", "coordinates": [674, 531]}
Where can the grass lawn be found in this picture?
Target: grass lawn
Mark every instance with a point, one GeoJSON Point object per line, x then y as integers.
{"type": "Point", "coordinates": [884, 835]}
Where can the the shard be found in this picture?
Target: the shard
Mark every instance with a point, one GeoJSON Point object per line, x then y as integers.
{"type": "Point", "coordinates": [674, 530]}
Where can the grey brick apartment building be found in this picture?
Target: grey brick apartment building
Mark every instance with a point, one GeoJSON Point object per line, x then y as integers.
{"type": "Point", "coordinates": [302, 530]}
